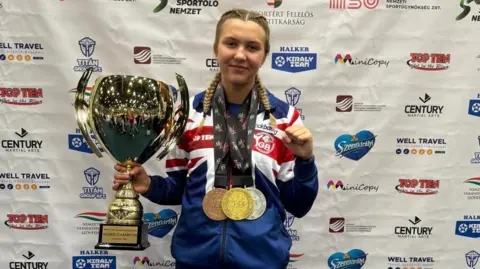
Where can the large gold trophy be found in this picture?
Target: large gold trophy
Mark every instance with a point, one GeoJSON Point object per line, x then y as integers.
{"type": "Point", "coordinates": [132, 118]}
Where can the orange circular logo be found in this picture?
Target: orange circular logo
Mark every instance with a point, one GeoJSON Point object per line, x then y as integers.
{"type": "Point", "coordinates": [34, 186]}
{"type": "Point", "coordinates": [28, 58]}
{"type": "Point", "coordinates": [429, 152]}
{"type": "Point", "coordinates": [18, 186]}
{"type": "Point", "coordinates": [414, 151]}
{"type": "Point", "coordinates": [26, 186]}
{"type": "Point", "coordinates": [19, 57]}
{"type": "Point", "coordinates": [11, 57]}
{"type": "Point", "coordinates": [422, 151]}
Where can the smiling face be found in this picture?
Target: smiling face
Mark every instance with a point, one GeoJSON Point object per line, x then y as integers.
{"type": "Point", "coordinates": [240, 51]}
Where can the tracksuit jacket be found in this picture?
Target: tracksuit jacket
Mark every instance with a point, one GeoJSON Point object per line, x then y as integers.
{"type": "Point", "coordinates": [287, 182]}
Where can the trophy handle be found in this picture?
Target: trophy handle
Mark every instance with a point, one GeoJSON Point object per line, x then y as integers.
{"type": "Point", "coordinates": [180, 117]}
{"type": "Point", "coordinates": [82, 109]}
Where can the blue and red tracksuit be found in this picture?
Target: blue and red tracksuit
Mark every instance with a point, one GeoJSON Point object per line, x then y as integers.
{"type": "Point", "coordinates": [288, 183]}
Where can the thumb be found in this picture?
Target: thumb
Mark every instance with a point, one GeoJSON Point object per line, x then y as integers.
{"type": "Point", "coordinates": [286, 139]}
{"type": "Point", "coordinates": [136, 170]}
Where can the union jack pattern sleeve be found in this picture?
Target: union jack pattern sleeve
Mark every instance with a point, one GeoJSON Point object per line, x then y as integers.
{"type": "Point", "coordinates": [297, 179]}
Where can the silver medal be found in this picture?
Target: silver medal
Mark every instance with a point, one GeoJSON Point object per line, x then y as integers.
{"type": "Point", "coordinates": [259, 203]}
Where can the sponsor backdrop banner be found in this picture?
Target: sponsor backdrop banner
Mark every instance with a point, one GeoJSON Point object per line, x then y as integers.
{"type": "Point", "coordinates": [389, 89]}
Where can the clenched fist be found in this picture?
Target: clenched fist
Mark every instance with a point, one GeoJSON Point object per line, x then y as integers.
{"type": "Point", "coordinates": [138, 176]}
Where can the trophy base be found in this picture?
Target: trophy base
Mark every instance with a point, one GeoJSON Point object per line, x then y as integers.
{"type": "Point", "coordinates": [123, 237]}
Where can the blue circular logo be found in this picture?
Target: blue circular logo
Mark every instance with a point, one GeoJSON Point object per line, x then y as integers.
{"type": "Point", "coordinates": [3, 57]}
{"type": "Point", "coordinates": [9, 186]}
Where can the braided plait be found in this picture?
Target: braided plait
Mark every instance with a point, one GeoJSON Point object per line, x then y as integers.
{"type": "Point", "coordinates": [207, 98]}
{"type": "Point", "coordinates": [264, 100]}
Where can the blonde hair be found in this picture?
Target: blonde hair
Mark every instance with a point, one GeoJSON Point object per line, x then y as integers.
{"type": "Point", "coordinates": [245, 15]}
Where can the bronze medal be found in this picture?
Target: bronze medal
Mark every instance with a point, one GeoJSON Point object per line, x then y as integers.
{"type": "Point", "coordinates": [237, 204]}
{"type": "Point", "coordinates": [212, 204]}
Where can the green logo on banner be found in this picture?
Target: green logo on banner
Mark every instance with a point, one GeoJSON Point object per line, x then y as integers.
{"type": "Point", "coordinates": [162, 5]}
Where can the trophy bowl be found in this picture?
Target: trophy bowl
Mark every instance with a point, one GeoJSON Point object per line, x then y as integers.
{"type": "Point", "coordinates": [132, 118]}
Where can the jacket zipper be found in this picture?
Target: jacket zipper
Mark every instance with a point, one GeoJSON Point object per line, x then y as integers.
{"type": "Point", "coordinates": [222, 250]}
{"type": "Point", "coordinates": [224, 234]}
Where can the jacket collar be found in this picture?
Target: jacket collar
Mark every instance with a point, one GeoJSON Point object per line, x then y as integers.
{"type": "Point", "coordinates": [198, 102]}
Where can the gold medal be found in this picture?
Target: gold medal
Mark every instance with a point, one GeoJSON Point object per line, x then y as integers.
{"type": "Point", "coordinates": [212, 204]}
{"type": "Point", "coordinates": [237, 204]}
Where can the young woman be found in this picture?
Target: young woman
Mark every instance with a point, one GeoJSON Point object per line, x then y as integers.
{"type": "Point", "coordinates": [243, 160]}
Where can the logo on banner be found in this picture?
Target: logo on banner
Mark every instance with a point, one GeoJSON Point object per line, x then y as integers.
{"type": "Point", "coordinates": [21, 96]}
{"type": "Point", "coordinates": [293, 258]}
{"type": "Point", "coordinates": [334, 186]}
{"type": "Point", "coordinates": [473, 192]}
{"type": "Point", "coordinates": [474, 106]}
{"type": "Point", "coordinates": [403, 4]}
{"type": "Point", "coordinates": [354, 147]}
{"type": "Point", "coordinates": [353, 4]}
{"type": "Point", "coordinates": [339, 225]}
{"type": "Point", "coordinates": [144, 55]}
{"type": "Point", "coordinates": [212, 64]}
{"type": "Point", "coordinates": [145, 261]}
{"type": "Point", "coordinates": [29, 255]}
{"type": "Point", "coordinates": [76, 142]}
{"type": "Point", "coordinates": [339, 59]}
{"type": "Point", "coordinates": [411, 262]}
{"type": "Point", "coordinates": [414, 232]}
{"type": "Point", "coordinates": [468, 227]}
{"type": "Point", "coordinates": [27, 221]}
{"type": "Point", "coordinates": [21, 52]}
{"type": "Point", "coordinates": [331, 185]}
{"type": "Point", "coordinates": [418, 186]}
{"type": "Point", "coordinates": [161, 223]}
{"type": "Point", "coordinates": [161, 6]}
{"type": "Point", "coordinates": [476, 158]}
{"type": "Point", "coordinates": [88, 92]}
{"type": "Point", "coordinates": [91, 176]}
{"type": "Point", "coordinates": [292, 97]}
{"type": "Point", "coordinates": [277, 14]}
{"type": "Point", "coordinates": [91, 259]}
{"type": "Point", "coordinates": [429, 61]}
{"type": "Point", "coordinates": [466, 10]}
{"type": "Point", "coordinates": [87, 47]}
{"type": "Point", "coordinates": [274, 3]}
{"type": "Point", "coordinates": [294, 59]}
{"type": "Point", "coordinates": [471, 258]}
{"type": "Point", "coordinates": [424, 110]}
{"type": "Point", "coordinates": [354, 259]}
{"type": "Point", "coordinates": [421, 146]}
{"type": "Point", "coordinates": [29, 263]}
{"type": "Point", "coordinates": [288, 225]}
{"type": "Point", "coordinates": [345, 103]}
{"type": "Point", "coordinates": [22, 145]}
{"type": "Point", "coordinates": [476, 155]}
{"type": "Point", "coordinates": [91, 222]}
{"type": "Point", "coordinates": [186, 7]}
{"type": "Point", "coordinates": [24, 181]}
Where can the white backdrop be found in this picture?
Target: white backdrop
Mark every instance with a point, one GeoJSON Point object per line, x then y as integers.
{"type": "Point", "coordinates": [408, 199]}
